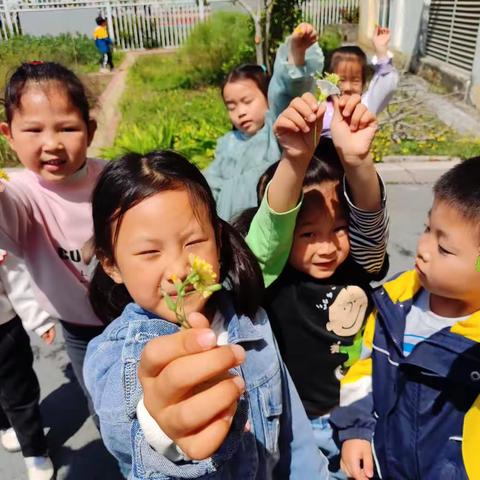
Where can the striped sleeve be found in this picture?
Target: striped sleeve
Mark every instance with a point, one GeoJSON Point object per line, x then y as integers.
{"type": "Point", "coordinates": [368, 233]}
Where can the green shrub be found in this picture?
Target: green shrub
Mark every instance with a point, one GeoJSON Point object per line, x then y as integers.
{"type": "Point", "coordinates": [216, 46]}
{"type": "Point", "coordinates": [330, 40]}
{"type": "Point", "coordinates": [77, 52]}
{"type": "Point", "coordinates": [7, 156]}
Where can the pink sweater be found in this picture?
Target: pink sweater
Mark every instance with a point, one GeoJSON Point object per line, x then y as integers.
{"type": "Point", "coordinates": [49, 225]}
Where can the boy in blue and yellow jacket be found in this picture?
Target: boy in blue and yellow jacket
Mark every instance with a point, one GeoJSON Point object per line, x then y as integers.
{"type": "Point", "coordinates": [103, 42]}
{"type": "Point", "coordinates": [410, 407]}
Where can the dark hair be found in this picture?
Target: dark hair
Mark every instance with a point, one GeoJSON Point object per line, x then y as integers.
{"type": "Point", "coordinates": [249, 71]}
{"type": "Point", "coordinates": [350, 53]}
{"type": "Point", "coordinates": [42, 72]}
{"type": "Point", "coordinates": [324, 166]}
{"type": "Point", "coordinates": [133, 178]}
{"type": "Point", "coordinates": [459, 187]}
{"type": "Point", "coordinates": [100, 20]}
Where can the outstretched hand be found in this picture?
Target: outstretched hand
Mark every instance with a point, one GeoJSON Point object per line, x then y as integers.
{"type": "Point", "coordinates": [381, 40]}
{"type": "Point", "coordinates": [303, 37]}
{"type": "Point", "coordinates": [299, 126]}
{"type": "Point", "coordinates": [188, 389]}
{"type": "Point", "coordinates": [353, 129]}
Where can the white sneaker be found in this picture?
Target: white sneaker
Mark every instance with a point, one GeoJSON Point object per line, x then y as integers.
{"type": "Point", "coordinates": [9, 440]}
{"type": "Point", "coordinates": [39, 468]}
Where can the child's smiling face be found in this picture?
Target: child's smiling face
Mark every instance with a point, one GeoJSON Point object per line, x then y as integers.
{"type": "Point", "coordinates": [320, 243]}
{"type": "Point", "coordinates": [447, 253]}
{"type": "Point", "coordinates": [48, 132]}
{"type": "Point", "coordinates": [154, 241]}
{"type": "Point", "coordinates": [246, 105]}
{"type": "Point", "coordinates": [351, 80]}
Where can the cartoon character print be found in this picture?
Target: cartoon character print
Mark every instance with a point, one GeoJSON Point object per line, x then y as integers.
{"type": "Point", "coordinates": [346, 314]}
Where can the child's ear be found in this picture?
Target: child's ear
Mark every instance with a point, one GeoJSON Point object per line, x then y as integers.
{"type": "Point", "coordinates": [5, 131]}
{"type": "Point", "coordinates": [111, 270]}
{"type": "Point", "coordinates": [91, 128]}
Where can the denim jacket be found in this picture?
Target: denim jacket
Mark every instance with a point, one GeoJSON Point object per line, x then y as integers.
{"type": "Point", "coordinates": [280, 442]}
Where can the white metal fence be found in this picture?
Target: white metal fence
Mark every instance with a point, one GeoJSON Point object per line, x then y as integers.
{"type": "Point", "coordinates": [132, 24]}
{"type": "Point", "coordinates": [144, 23]}
{"type": "Point", "coordinates": [327, 12]}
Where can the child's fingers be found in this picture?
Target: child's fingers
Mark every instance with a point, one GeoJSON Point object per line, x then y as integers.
{"type": "Point", "coordinates": [298, 119]}
{"type": "Point", "coordinates": [350, 104]}
{"type": "Point", "coordinates": [305, 108]}
{"type": "Point", "coordinates": [368, 462]}
{"type": "Point", "coordinates": [161, 351]}
{"type": "Point", "coordinates": [203, 444]}
{"type": "Point", "coordinates": [310, 99]}
{"type": "Point", "coordinates": [196, 412]}
{"type": "Point", "coordinates": [368, 119]}
{"type": "Point", "coordinates": [357, 114]}
{"type": "Point", "coordinates": [284, 125]}
{"type": "Point", "coordinates": [185, 373]}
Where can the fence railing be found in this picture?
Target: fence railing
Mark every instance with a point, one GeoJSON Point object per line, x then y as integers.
{"type": "Point", "coordinates": [131, 24]}
{"type": "Point", "coordinates": [327, 12]}
{"type": "Point", "coordinates": [137, 24]}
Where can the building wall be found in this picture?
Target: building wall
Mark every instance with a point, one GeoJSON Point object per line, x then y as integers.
{"type": "Point", "coordinates": [54, 22]}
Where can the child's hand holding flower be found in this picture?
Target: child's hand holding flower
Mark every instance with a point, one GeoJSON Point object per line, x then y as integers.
{"type": "Point", "coordinates": [303, 37]}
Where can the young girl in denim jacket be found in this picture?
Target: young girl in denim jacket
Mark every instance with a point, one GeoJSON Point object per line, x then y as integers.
{"type": "Point", "coordinates": [253, 105]}
{"type": "Point", "coordinates": [213, 400]}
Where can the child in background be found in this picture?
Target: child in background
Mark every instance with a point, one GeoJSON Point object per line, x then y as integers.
{"type": "Point", "coordinates": [350, 64]}
{"type": "Point", "coordinates": [45, 210]}
{"type": "Point", "coordinates": [244, 153]}
{"type": "Point", "coordinates": [103, 43]}
{"type": "Point", "coordinates": [21, 425]}
{"type": "Point", "coordinates": [232, 409]}
{"type": "Point", "coordinates": [334, 240]}
{"type": "Point", "coordinates": [412, 402]}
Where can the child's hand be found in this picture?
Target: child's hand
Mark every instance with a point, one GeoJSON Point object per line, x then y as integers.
{"type": "Point", "coordinates": [299, 126]}
{"type": "Point", "coordinates": [353, 128]}
{"type": "Point", "coordinates": [381, 39]}
{"type": "Point", "coordinates": [303, 37]}
{"type": "Point", "coordinates": [187, 388]}
{"type": "Point", "coordinates": [49, 336]}
{"type": "Point", "coordinates": [357, 460]}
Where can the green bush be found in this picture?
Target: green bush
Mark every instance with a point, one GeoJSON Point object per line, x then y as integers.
{"type": "Point", "coordinates": [155, 100]}
{"type": "Point", "coordinates": [330, 40]}
{"type": "Point", "coordinates": [77, 52]}
{"type": "Point", "coordinates": [216, 46]}
{"type": "Point", "coordinates": [7, 157]}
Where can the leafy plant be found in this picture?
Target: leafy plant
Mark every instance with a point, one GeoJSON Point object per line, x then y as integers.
{"type": "Point", "coordinates": [141, 140]}
{"type": "Point", "coordinates": [217, 45]}
{"type": "Point", "coordinates": [330, 40]}
{"type": "Point", "coordinates": [77, 52]}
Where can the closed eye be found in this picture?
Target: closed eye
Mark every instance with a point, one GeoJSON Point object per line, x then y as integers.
{"type": "Point", "coordinates": [195, 242]}
{"type": "Point", "coordinates": [147, 252]}
{"type": "Point", "coordinates": [444, 251]}
{"type": "Point", "coordinates": [307, 235]}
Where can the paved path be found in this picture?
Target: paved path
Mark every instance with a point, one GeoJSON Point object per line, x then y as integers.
{"type": "Point", "coordinates": [107, 111]}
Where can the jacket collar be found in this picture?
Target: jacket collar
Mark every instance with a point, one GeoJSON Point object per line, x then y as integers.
{"type": "Point", "coordinates": [240, 328]}
{"type": "Point", "coordinates": [394, 300]}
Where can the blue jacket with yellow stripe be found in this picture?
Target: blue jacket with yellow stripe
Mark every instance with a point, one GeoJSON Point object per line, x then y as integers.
{"type": "Point", "coordinates": [421, 412]}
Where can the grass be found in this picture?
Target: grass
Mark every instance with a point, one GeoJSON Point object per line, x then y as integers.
{"type": "Point", "coordinates": [192, 119]}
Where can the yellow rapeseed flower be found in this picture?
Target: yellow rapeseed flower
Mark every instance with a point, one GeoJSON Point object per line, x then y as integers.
{"type": "Point", "coordinates": [3, 175]}
{"type": "Point", "coordinates": [202, 275]}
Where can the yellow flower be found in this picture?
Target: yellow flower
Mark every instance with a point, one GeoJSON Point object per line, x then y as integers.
{"type": "Point", "coordinates": [202, 276]}
{"type": "Point", "coordinates": [3, 175]}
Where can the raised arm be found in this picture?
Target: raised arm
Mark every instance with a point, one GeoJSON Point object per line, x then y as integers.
{"type": "Point", "coordinates": [297, 60]}
{"type": "Point", "coordinates": [385, 79]}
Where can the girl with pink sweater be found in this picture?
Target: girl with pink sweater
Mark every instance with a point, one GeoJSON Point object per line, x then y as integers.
{"type": "Point", "coordinates": [45, 209]}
